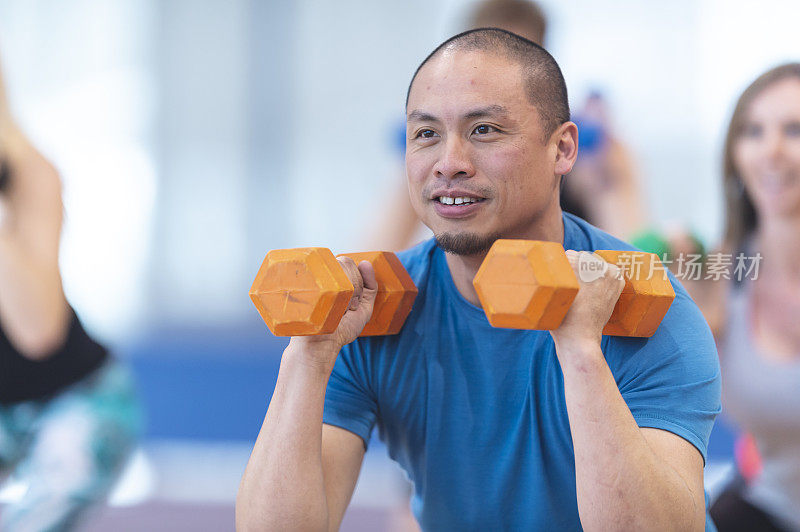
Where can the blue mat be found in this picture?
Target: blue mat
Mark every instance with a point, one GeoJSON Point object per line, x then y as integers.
{"type": "Point", "coordinates": [210, 385]}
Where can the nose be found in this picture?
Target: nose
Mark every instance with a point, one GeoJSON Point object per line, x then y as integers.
{"type": "Point", "coordinates": [773, 146]}
{"type": "Point", "coordinates": [455, 160]}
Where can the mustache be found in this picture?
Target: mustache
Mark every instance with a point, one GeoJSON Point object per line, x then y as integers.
{"type": "Point", "coordinates": [481, 191]}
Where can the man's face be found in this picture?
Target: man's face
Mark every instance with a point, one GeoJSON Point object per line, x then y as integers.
{"type": "Point", "coordinates": [477, 163]}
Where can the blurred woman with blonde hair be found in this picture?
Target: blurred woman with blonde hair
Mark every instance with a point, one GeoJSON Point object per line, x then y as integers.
{"type": "Point", "coordinates": [755, 314]}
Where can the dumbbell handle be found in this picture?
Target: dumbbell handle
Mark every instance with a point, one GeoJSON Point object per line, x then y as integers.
{"type": "Point", "coordinates": [305, 291]}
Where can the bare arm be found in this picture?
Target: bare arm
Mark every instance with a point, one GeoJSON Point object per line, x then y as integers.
{"type": "Point", "coordinates": [33, 309]}
{"type": "Point", "coordinates": [627, 478]}
{"type": "Point", "coordinates": [301, 473]}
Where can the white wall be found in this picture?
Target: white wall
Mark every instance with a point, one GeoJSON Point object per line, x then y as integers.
{"type": "Point", "coordinates": [354, 62]}
{"type": "Point", "coordinates": [201, 68]}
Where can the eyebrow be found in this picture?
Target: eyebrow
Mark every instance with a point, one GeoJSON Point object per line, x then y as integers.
{"type": "Point", "coordinates": [480, 112]}
{"type": "Point", "coordinates": [490, 110]}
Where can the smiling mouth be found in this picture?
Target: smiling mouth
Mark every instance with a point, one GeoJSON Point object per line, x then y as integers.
{"type": "Point", "coordinates": [777, 181]}
{"type": "Point", "coordinates": [460, 200]}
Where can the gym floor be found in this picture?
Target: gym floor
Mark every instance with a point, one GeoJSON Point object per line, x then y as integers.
{"type": "Point", "coordinates": [176, 485]}
{"type": "Point", "coordinates": [168, 488]}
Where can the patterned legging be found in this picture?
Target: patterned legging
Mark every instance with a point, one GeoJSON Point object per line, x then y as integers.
{"type": "Point", "coordinates": [68, 449]}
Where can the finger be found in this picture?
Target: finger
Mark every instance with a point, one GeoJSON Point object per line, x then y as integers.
{"type": "Point", "coordinates": [572, 256]}
{"type": "Point", "coordinates": [613, 271]}
{"type": "Point", "coordinates": [368, 275]}
{"type": "Point", "coordinates": [350, 269]}
{"type": "Point", "coordinates": [370, 291]}
{"type": "Point", "coordinates": [588, 266]}
{"type": "Point", "coordinates": [591, 256]}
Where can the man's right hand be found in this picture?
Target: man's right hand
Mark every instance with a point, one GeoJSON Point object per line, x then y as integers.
{"type": "Point", "coordinates": [321, 462]}
{"type": "Point", "coordinates": [322, 350]}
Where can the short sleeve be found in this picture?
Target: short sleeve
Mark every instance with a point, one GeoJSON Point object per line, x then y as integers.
{"type": "Point", "coordinates": [671, 381]}
{"type": "Point", "coordinates": [349, 402]}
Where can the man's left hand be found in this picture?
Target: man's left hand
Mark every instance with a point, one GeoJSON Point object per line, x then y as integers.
{"type": "Point", "coordinates": [601, 284]}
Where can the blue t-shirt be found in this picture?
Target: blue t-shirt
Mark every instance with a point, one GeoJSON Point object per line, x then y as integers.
{"type": "Point", "coordinates": [476, 416]}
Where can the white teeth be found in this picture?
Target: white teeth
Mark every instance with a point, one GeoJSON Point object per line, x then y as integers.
{"type": "Point", "coordinates": [447, 200]}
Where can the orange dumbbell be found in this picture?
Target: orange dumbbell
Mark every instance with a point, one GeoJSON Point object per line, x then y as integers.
{"type": "Point", "coordinates": [304, 291]}
{"type": "Point", "coordinates": [529, 284]}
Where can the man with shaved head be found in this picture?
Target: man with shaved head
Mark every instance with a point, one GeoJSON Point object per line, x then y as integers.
{"type": "Point", "coordinates": [496, 428]}
{"type": "Point", "coordinates": [521, 84]}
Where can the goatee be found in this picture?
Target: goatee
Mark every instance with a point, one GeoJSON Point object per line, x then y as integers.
{"type": "Point", "coordinates": [465, 243]}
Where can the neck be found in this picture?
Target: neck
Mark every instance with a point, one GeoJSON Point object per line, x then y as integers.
{"type": "Point", "coordinates": [464, 267]}
{"type": "Point", "coordinates": [778, 241]}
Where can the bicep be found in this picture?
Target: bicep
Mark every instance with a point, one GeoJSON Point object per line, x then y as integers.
{"type": "Point", "coordinates": [683, 457]}
{"type": "Point", "coordinates": [37, 207]}
{"type": "Point", "coordinates": [342, 455]}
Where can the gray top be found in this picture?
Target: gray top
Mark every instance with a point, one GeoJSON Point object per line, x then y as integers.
{"type": "Point", "coordinates": [763, 397]}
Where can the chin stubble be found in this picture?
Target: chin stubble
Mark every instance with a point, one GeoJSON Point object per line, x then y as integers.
{"type": "Point", "coordinates": [465, 243]}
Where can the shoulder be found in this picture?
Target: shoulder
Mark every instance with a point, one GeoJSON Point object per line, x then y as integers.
{"type": "Point", "coordinates": [34, 183]}
{"type": "Point", "coordinates": [581, 235]}
{"type": "Point", "coordinates": [682, 349]}
{"type": "Point", "coordinates": [418, 260]}
{"type": "Point", "coordinates": [684, 319]}
{"type": "Point", "coordinates": [683, 336]}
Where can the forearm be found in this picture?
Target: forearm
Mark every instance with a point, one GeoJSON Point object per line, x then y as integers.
{"type": "Point", "coordinates": [282, 487]}
{"type": "Point", "coordinates": [33, 310]}
{"type": "Point", "coordinates": [621, 484]}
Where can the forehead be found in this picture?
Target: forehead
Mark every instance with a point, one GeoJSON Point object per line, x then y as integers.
{"type": "Point", "coordinates": [779, 100]}
{"type": "Point", "coordinates": [456, 78]}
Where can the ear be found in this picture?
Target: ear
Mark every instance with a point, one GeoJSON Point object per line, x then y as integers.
{"type": "Point", "coordinates": [566, 141]}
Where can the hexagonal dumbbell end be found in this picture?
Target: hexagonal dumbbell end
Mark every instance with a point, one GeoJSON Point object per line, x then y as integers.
{"type": "Point", "coordinates": [396, 292]}
{"type": "Point", "coordinates": [301, 291]}
{"type": "Point", "coordinates": [526, 284]}
{"type": "Point", "coordinates": [646, 297]}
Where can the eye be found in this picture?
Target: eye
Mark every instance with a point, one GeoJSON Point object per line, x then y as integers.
{"type": "Point", "coordinates": [484, 129]}
{"type": "Point", "coordinates": [751, 130]}
{"type": "Point", "coordinates": [425, 134]}
{"type": "Point", "coordinates": [792, 129]}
